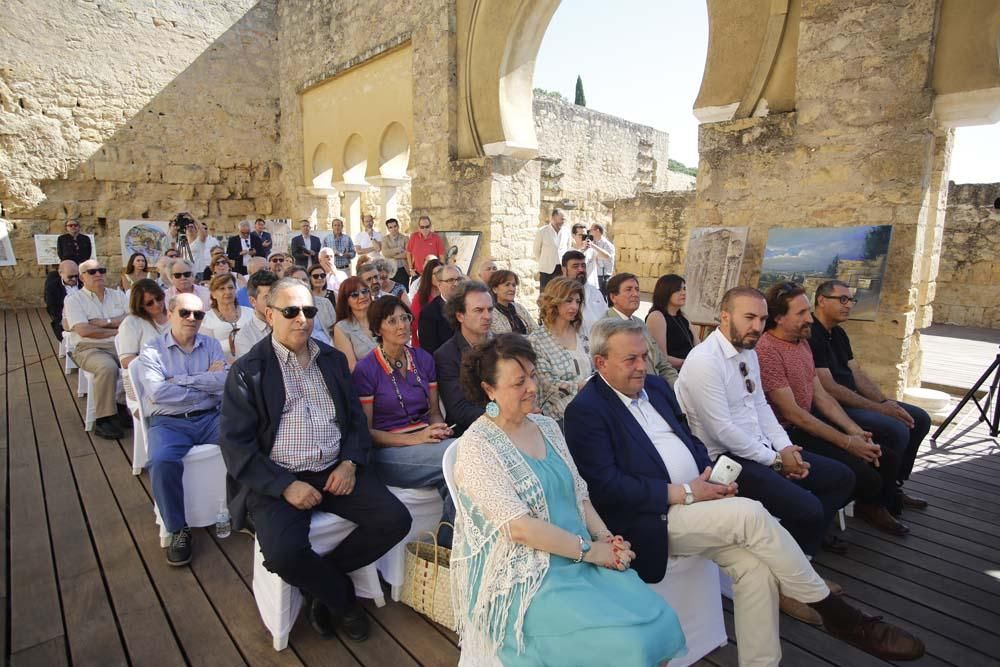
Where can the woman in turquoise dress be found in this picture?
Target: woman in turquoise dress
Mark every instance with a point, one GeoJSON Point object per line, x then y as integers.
{"type": "Point", "coordinates": [537, 578]}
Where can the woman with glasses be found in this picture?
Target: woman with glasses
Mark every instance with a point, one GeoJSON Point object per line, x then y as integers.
{"type": "Point", "coordinates": [135, 270]}
{"type": "Point", "coordinates": [351, 334]}
{"type": "Point", "coordinates": [564, 364]}
{"type": "Point", "coordinates": [426, 291]}
{"type": "Point", "coordinates": [397, 385]}
{"type": "Point", "coordinates": [321, 293]}
{"type": "Point", "coordinates": [147, 319]}
{"type": "Point", "coordinates": [666, 322]}
{"type": "Point", "coordinates": [226, 317]}
{"type": "Point", "coordinates": [508, 315]}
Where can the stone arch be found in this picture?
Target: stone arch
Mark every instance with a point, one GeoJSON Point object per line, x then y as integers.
{"type": "Point", "coordinates": [355, 159]}
{"type": "Point", "coordinates": [394, 151]}
{"type": "Point", "coordinates": [322, 166]}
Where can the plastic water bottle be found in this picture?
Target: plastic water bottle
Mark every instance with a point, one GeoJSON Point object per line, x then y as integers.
{"type": "Point", "coordinates": [223, 527]}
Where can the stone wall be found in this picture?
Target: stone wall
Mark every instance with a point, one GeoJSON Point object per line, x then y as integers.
{"type": "Point", "coordinates": [130, 110]}
{"type": "Point", "coordinates": [968, 282]}
{"type": "Point", "coordinates": [651, 233]}
{"type": "Point", "coordinates": [588, 157]}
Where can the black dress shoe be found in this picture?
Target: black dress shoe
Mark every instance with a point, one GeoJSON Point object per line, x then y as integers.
{"type": "Point", "coordinates": [878, 516]}
{"type": "Point", "coordinates": [355, 624]}
{"type": "Point", "coordinates": [912, 502]}
{"type": "Point", "coordinates": [124, 417]}
{"type": "Point", "coordinates": [873, 635]}
{"type": "Point", "coordinates": [107, 428]}
{"type": "Point", "coordinates": [179, 551]}
{"type": "Point", "coordinates": [323, 621]}
{"type": "Point", "coordinates": [835, 545]}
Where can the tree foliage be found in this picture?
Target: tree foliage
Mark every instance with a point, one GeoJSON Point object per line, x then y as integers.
{"type": "Point", "coordinates": [581, 99]}
{"type": "Point", "coordinates": [877, 241]}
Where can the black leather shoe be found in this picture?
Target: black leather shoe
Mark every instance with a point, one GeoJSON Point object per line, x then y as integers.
{"type": "Point", "coordinates": [884, 640]}
{"type": "Point", "coordinates": [321, 618]}
{"type": "Point", "coordinates": [124, 417]}
{"type": "Point", "coordinates": [878, 516]}
{"type": "Point", "coordinates": [835, 545]}
{"type": "Point", "coordinates": [356, 625]}
{"type": "Point", "coordinates": [911, 502]}
{"type": "Point", "coordinates": [179, 551]}
{"type": "Point", "coordinates": [107, 428]}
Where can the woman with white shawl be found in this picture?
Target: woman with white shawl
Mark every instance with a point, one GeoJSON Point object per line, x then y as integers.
{"type": "Point", "coordinates": [537, 578]}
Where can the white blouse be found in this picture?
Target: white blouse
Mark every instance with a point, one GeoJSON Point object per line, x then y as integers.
{"type": "Point", "coordinates": [219, 329]}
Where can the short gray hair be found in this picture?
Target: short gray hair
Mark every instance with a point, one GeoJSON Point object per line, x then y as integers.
{"type": "Point", "coordinates": [382, 265]}
{"type": "Point", "coordinates": [282, 285]}
{"type": "Point", "coordinates": [604, 330]}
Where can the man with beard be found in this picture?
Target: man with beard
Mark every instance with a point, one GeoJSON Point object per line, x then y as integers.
{"type": "Point", "coordinates": [574, 267]}
{"type": "Point", "coordinates": [812, 417]}
{"type": "Point", "coordinates": [720, 389]}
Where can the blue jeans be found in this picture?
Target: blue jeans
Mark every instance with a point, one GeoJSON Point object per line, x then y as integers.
{"type": "Point", "coordinates": [890, 432]}
{"type": "Point", "coordinates": [415, 467]}
{"type": "Point", "coordinates": [170, 439]}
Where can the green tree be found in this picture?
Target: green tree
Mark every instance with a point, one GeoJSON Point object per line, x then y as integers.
{"type": "Point", "coordinates": [877, 241]}
{"type": "Point", "coordinates": [581, 99]}
{"type": "Point", "coordinates": [831, 270]}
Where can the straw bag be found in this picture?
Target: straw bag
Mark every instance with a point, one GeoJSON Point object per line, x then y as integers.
{"type": "Point", "coordinates": [427, 581]}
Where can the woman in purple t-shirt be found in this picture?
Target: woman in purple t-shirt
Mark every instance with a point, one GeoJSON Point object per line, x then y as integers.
{"type": "Point", "coordinates": [397, 385]}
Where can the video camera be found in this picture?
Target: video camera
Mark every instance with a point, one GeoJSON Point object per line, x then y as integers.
{"type": "Point", "coordinates": [182, 222]}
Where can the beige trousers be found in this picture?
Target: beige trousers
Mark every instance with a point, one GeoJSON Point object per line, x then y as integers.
{"type": "Point", "coordinates": [101, 360]}
{"type": "Point", "coordinates": [759, 555]}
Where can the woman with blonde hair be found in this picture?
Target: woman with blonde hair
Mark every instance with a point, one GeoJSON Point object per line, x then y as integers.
{"type": "Point", "coordinates": [226, 317]}
{"type": "Point", "coordinates": [564, 363]}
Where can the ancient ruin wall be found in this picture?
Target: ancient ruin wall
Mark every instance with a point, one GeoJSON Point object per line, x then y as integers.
{"type": "Point", "coordinates": [968, 282]}
{"type": "Point", "coordinates": [130, 110]}
{"type": "Point", "coordinates": [651, 234]}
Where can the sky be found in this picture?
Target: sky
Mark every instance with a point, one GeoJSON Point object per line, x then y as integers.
{"type": "Point", "coordinates": [642, 60]}
{"type": "Point", "coordinates": [812, 249]}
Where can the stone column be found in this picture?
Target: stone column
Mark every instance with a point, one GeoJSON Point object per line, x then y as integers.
{"type": "Point", "coordinates": [388, 196]}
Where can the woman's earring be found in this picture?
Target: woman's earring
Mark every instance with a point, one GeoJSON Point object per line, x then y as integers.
{"type": "Point", "coordinates": [492, 410]}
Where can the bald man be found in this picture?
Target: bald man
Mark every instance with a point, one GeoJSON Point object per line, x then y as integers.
{"type": "Point", "coordinates": [243, 247]}
{"type": "Point", "coordinates": [58, 285]}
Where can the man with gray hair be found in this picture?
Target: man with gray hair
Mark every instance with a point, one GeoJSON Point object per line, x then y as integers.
{"type": "Point", "coordinates": [341, 244]}
{"type": "Point", "coordinates": [182, 282]}
{"type": "Point", "coordinates": [648, 478]}
{"type": "Point", "coordinates": [432, 327]}
{"type": "Point", "coordinates": [243, 247]}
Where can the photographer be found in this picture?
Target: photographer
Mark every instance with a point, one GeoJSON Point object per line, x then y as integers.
{"type": "Point", "coordinates": [194, 234]}
{"type": "Point", "coordinates": [580, 239]}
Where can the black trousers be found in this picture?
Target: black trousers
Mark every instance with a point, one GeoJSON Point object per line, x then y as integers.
{"type": "Point", "coordinates": [283, 535]}
{"type": "Point", "coordinates": [873, 486]}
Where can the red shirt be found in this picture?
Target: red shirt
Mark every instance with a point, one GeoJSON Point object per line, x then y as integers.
{"type": "Point", "coordinates": [420, 247]}
{"type": "Point", "coordinates": [784, 364]}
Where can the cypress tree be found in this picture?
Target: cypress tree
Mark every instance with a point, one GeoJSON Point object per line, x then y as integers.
{"type": "Point", "coordinates": [581, 99]}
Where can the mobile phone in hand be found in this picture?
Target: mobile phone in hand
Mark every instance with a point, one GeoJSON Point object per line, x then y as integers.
{"type": "Point", "coordinates": [725, 471]}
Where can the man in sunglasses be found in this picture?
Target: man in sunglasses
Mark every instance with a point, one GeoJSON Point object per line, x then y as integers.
{"type": "Point", "coordinates": [425, 242]}
{"type": "Point", "coordinates": [184, 373]}
{"type": "Point", "coordinates": [93, 313]}
{"type": "Point", "coordinates": [813, 418]}
{"type": "Point", "coordinates": [74, 245]}
{"type": "Point", "coordinates": [59, 285]}
{"type": "Point", "coordinates": [182, 281]}
{"type": "Point", "coordinates": [278, 262]}
{"type": "Point", "coordinates": [720, 389]}
{"type": "Point", "coordinates": [895, 425]}
{"type": "Point", "coordinates": [296, 440]}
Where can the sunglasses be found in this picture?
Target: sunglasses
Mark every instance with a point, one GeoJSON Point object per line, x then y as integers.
{"type": "Point", "coordinates": [748, 383]}
{"type": "Point", "coordinates": [359, 292]}
{"type": "Point", "coordinates": [186, 314]}
{"type": "Point", "coordinates": [72, 226]}
{"type": "Point", "coordinates": [318, 276]}
{"type": "Point", "coordinates": [291, 312]}
{"type": "Point", "coordinates": [73, 277]}
{"type": "Point", "coordinates": [156, 300]}
{"type": "Point", "coordinates": [183, 274]}
{"type": "Point", "coordinates": [425, 226]}
{"type": "Point", "coordinates": [843, 299]}
{"type": "Point", "coordinates": [278, 260]}
{"type": "Point", "coordinates": [91, 272]}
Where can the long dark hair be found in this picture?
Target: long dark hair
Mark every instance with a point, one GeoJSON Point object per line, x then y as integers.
{"type": "Point", "coordinates": [130, 266]}
{"type": "Point", "coordinates": [427, 281]}
{"type": "Point", "coordinates": [665, 288]}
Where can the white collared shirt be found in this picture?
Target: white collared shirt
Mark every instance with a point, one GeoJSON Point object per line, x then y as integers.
{"type": "Point", "coordinates": [594, 308]}
{"type": "Point", "coordinates": [550, 246]}
{"type": "Point", "coordinates": [721, 412]}
{"type": "Point", "coordinates": [83, 306]}
{"type": "Point", "coordinates": [677, 458]}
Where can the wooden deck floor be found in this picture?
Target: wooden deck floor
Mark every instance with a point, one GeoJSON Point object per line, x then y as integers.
{"type": "Point", "coordinates": [86, 582]}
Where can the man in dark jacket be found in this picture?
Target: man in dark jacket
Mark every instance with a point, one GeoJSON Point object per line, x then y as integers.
{"type": "Point", "coordinates": [242, 247]}
{"type": "Point", "coordinates": [74, 245]}
{"type": "Point", "coordinates": [59, 284]}
{"type": "Point", "coordinates": [296, 440]}
{"type": "Point", "coordinates": [433, 327]}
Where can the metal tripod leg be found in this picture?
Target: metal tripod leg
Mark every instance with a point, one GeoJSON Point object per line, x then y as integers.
{"type": "Point", "coordinates": [993, 423]}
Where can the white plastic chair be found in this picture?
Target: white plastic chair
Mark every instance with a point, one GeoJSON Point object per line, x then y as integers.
{"type": "Point", "coordinates": [140, 456]}
{"type": "Point", "coordinates": [425, 506]}
{"type": "Point", "coordinates": [279, 603]}
{"type": "Point", "coordinates": [204, 471]}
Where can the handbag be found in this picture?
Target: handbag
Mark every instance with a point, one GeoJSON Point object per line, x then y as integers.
{"type": "Point", "coordinates": [427, 580]}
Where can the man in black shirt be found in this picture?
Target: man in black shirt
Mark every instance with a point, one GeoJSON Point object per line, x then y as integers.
{"type": "Point", "coordinates": [73, 245]}
{"type": "Point", "coordinates": [897, 425]}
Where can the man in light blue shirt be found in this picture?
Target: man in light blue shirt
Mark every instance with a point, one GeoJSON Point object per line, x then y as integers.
{"type": "Point", "coordinates": [184, 373]}
{"type": "Point", "coordinates": [343, 247]}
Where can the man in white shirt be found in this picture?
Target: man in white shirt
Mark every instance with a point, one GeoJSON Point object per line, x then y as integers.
{"type": "Point", "coordinates": [648, 479]}
{"type": "Point", "coordinates": [604, 258]}
{"type": "Point", "coordinates": [368, 242]}
{"type": "Point", "coordinates": [574, 267]}
{"type": "Point", "coordinates": [551, 241]}
{"type": "Point", "coordinates": [94, 313]}
{"type": "Point", "coordinates": [201, 247]}
{"type": "Point", "coordinates": [182, 281]}
{"type": "Point", "coordinates": [720, 390]}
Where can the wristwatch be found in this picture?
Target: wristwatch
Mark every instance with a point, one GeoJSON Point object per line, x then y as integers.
{"type": "Point", "coordinates": [777, 465]}
{"type": "Point", "coordinates": [688, 494]}
{"type": "Point", "coordinates": [584, 548]}
{"type": "Point", "coordinates": [107, 322]}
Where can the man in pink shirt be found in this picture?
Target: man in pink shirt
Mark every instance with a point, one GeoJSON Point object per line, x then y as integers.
{"type": "Point", "coordinates": [425, 242]}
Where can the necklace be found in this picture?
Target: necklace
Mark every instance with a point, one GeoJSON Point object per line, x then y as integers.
{"type": "Point", "coordinates": [395, 385]}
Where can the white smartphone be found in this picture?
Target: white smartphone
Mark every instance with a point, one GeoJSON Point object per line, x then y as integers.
{"type": "Point", "coordinates": [725, 471]}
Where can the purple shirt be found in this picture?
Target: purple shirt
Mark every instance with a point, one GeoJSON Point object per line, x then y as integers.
{"type": "Point", "coordinates": [375, 387]}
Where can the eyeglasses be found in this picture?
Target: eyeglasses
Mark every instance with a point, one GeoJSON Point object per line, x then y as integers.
{"type": "Point", "coordinates": [277, 260]}
{"type": "Point", "coordinates": [318, 276]}
{"type": "Point", "coordinates": [449, 280]}
{"type": "Point", "coordinates": [748, 383]}
{"type": "Point", "coordinates": [395, 320]}
{"type": "Point", "coordinates": [73, 226]}
{"type": "Point", "coordinates": [182, 274]}
{"type": "Point", "coordinates": [156, 300]}
{"type": "Point", "coordinates": [359, 292]}
{"type": "Point", "coordinates": [187, 314]}
{"type": "Point", "coordinates": [73, 276]}
{"type": "Point", "coordinates": [220, 262]}
{"type": "Point", "coordinates": [91, 272]}
{"type": "Point", "coordinates": [425, 226]}
{"type": "Point", "coordinates": [172, 255]}
{"type": "Point", "coordinates": [291, 312]}
{"type": "Point", "coordinates": [843, 299]}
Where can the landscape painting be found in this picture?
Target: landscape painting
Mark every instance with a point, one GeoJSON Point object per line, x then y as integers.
{"type": "Point", "coordinates": [811, 256]}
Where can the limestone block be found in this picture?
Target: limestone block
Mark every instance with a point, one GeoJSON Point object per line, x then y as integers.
{"type": "Point", "coordinates": [236, 207]}
{"type": "Point", "coordinates": [184, 173]}
{"type": "Point", "coordinates": [263, 206]}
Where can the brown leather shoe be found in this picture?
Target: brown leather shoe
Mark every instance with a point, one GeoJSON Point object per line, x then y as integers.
{"type": "Point", "coordinates": [835, 588]}
{"type": "Point", "coordinates": [884, 640]}
{"type": "Point", "coordinates": [913, 502]}
{"type": "Point", "coordinates": [799, 610]}
{"type": "Point", "coordinates": [879, 516]}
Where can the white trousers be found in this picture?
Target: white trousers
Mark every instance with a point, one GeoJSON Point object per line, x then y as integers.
{"type": "Point", "coordinates": [759, 555]}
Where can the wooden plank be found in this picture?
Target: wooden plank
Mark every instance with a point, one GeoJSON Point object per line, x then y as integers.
{"type": "Point", "coordinates": [411, 630]}
{"type": "Point", "coordinates": [929, 485]}
{"type": "Point", "coordinates": [51, 653]}
{"type": "Point", "coordinates": [960, 525]}
{"type": "Point", "coordinates": [36, 615]}
{"type": "Point", "coordinates": [90, 625]}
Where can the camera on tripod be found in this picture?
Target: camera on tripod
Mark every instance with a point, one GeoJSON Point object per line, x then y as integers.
{"type": "Point", "coordinates": [588, 237]}
{"type": "Point", "coordinates": [182, 222]}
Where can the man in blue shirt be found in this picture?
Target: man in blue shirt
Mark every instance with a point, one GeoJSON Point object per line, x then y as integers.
{"type": "Point", "coordinates": [184, 373]}
{"type": "Point", "coordinates": [343, 247]}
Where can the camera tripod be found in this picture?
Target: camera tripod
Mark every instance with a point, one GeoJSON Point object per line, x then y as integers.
{"type": "Point", "coordinates": [984, 409]}
{"type": "Point", "coordinates": [184, 248]}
